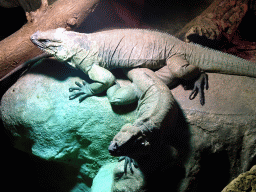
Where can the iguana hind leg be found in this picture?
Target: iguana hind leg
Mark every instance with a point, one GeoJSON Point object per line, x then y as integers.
{"type": "Point", "coordinates": [118, 95]}
{"type": "Point", "coordinates": [181, 69]}
{"type": "Point", "coordinates": [166, 76]}
{"type": "Point", "coordinates": [201, 82]}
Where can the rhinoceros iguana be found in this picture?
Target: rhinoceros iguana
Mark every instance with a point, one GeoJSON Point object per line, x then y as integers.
{"type": "Point", "coordinates": [97, 53]}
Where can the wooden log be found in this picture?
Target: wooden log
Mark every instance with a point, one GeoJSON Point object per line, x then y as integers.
{"type": "Point", "coordinates": [220, 18]}
{"type": "Point", "coordinates": [17, 48]}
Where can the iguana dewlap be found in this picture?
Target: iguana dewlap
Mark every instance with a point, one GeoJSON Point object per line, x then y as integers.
{"type": "Point", "coordinates": [97, 53]}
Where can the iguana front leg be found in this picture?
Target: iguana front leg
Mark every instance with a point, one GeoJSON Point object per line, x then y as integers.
{"type": "Point", "coordinates": [82, 91]}
{"type": "Point", "coordinates": [102, 78]}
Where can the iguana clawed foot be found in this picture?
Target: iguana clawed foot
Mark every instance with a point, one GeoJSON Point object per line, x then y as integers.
{"type": "Point", "coordinates": [128, 162]}
{"type": "Point", "coordinates": [200, 84]}
{"type": "Point", "coordinates": [82, 91]}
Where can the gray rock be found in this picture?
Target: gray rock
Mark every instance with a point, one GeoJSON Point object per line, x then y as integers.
{"type": "Point", "coordinates": [208, 140]}
{"type": "Point", "coordinates": [127, 182]}
{"type": "Point", "coordinates": [43, 121]}
{"type": "Point", "coordinates": [221, 134]}
{"type": "Point", "coordinates": [111, 178]}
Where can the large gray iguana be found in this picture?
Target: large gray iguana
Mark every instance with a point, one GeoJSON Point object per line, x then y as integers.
{"type": "Point", "coordinates": [97, 53]}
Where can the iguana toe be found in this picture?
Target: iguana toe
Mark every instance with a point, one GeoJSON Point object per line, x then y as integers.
{"type": "Point", "coordinates": [82, 91]}
{"type": "Point", "coordinates": [128, 162]}
{"type": "Point", "coordinates": [199, 86]}
{"type": "Point", "coordinates": [75, 95]}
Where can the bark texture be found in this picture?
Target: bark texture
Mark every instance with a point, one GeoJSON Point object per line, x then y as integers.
{"type": "Point", "coordinates": [220, 18]}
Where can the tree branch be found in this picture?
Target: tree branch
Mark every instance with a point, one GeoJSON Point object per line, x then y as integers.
{"type": "Point", "coordinates": [17, 48]}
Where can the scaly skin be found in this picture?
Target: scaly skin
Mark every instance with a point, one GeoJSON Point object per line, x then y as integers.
{"type": "Point", "coordinates": [156, 101]}
{"type": "Point", "coordinates": [96, 53]}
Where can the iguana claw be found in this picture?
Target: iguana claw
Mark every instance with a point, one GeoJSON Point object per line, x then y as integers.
{"type": "Point", "coordinates": [83, 91]}
{"type": "Point", "coordinates": [128, 162]}
{"type": "Point", "coordinates": [199, 86]}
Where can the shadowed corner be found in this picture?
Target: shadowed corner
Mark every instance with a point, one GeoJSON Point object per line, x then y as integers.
{"type": "Point", "coordinates": [57, 70]}
{"type": "Point", "coordinates": [204, 41]}
{"type": "Point", "coordinates": [178, 144]}
{"type": "Point", "coordinates": [48, 67]}
{"type": "Point", "coordinates": [123, 109]}
{"type": "Point", "coordinates": [45, 175]}
{"type": "Point", "coordinates": [165, 162]}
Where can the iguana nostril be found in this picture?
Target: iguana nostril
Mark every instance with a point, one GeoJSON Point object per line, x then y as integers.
{"type": "Point", "coordinates": [34, 36]}
{"type": "Point", "coordinates": [113, 146]}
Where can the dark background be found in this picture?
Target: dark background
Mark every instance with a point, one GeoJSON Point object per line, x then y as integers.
{"type": "Point", "coordinates": [22, 171]}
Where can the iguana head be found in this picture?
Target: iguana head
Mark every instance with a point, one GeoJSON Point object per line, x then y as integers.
{"type": "Point", "coordinates": [129, 141]}
{"type": "Point", "coordinates": [60, 43]}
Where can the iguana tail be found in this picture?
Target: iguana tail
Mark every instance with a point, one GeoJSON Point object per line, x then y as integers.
{"type": "Point", "coordinates": [214, 61]}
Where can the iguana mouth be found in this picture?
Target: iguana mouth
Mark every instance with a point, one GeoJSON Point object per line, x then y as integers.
{"type": "Point", "coordinates": [41, 44]}
{"type": "Point", "coordinates": [47, 45]}
{"type": "Point", "coordinates": [114, 149]}
{"type": "Point", "coordinates": [34, 39]}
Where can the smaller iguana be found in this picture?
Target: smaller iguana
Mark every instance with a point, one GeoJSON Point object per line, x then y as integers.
{"type": "Point", "coordinates": [97, 53]}
{"type": "Point", "coordinates": [156, 107]}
